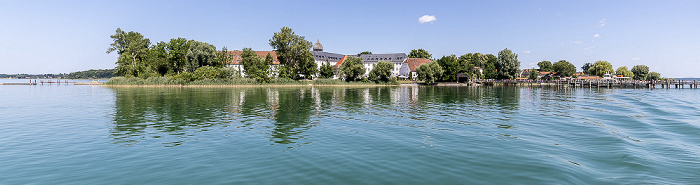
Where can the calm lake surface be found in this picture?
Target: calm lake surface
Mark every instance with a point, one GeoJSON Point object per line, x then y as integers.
{"type": "Point", "coordinates": [65, 134]}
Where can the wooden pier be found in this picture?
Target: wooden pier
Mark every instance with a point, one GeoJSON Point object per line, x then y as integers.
{"type": "Point", "coordinates": [58, 82]}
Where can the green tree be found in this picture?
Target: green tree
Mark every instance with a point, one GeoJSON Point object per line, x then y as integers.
{"type": "Point", "coordinates": [429, 73]}
{"type": "Point", "coordinates": [255, 66]}
{"type": "Point", "coordinates": [177, 55]}
{"type": "Point", "coordinates": [210, 72]}
{"type": "Point", "coordinates": [365, 53]}
{"type": "Point", "coordinates": [381, 72]}
{"type": "Point", "coordinates": [223, 57]}
{"type": "Point", "coordinates": [624, 72]}
{"type": "Point", "coordinates": [600, 68]}
{"type": "Point", "coordinates": [585, 67]}
{"type": "Point", "coordinates": [490, 68]}
{"type": "Point", "coordinates": [132, 48]}
{"type": "Point", "coordinates": [352, 68]}
{"type": "Point", "coordinates": [157, 58]}
{"type": "Point", "coordinates": [640, 72]}
{"type": "Point", "coordinates": [654, 76]}
{"type": "Point", "coordinates": [420, 53]}
{"type": "Point", "coordinates": [200, 54]}
{"type": "Point", "coordinates": [533, 74]}
{"type": "Point", "coordinates": [326, 70]}
{"type": "Point", "coordinates": [307, 67]}
{"type": "Point", "coordinates": [564, 68]}
{"type": "Point", "coordinates": [546, 66]}
{"type": "Point", "coordinates": [292, 50]}
{"type": "Point", "coordinates": [507, 64]}
{"type": "Point", "coordinates": [451, 67]}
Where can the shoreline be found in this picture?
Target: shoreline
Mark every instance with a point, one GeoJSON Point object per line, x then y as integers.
{"type": "Point", "coordinates": [236, 86]}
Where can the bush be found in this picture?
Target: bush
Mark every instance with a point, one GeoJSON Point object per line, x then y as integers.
{"type": "Point", "coordinates": [209, 72]}
{"type": "Point", "coordinates": [185, 76]}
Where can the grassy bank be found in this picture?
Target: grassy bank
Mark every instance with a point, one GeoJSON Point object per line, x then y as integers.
{"type": "Point", "coordinates": [169, 82]}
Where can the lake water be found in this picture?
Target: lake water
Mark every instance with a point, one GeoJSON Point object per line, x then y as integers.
{"type": "Point", "coordinates": [65, 134]}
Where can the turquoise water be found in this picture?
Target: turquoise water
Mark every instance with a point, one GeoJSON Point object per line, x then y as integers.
{"type": "Point", "coordinates": [65, 134]}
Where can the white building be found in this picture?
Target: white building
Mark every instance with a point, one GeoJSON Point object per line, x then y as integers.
{"type": "Point", "coordinates": [236, 58]}
{"type": "Point", "coordinates": [408, 68]}
{"type": "Point", "coordinates": [370, 60]}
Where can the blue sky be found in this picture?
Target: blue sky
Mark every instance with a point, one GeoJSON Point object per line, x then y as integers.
{"type": "Point", "coordinates": [66, 36]}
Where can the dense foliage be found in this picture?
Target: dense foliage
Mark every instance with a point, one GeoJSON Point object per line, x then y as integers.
{"type": "Point", "coordinates": [138, 58]}
{"type": "Point", "coordinates": [564, 68]}
{"type": "Point", "coordinates": [420, 53]}
{"type": "Point", "coordinates": [654, 76]}
{"type": "Point", "coordinates": [294, 53]}
{"type": "Point", "coordinates": [352, 68]}
{"type": "Point", "coordinates": [624, 72]}
{"type": "Point", "coordinates": [640, 72]}
{"type": "Point", "coordinates": [533, 74]}
{"type": "Point", "coordinates": [585, 67]}
{"type": "Point", "coordinates": [600, 68]}
{"type": "Point", "coordinates": [381, 72]}
{"type": "Point", "coordinates": [430, 72]}
{"type": "Point", "coordinates": [255, 66]}
{"type": "Point", "coordinates": [507, 64]}
{"type": "Point", "coordinates": [326, 70]}
{"type": "Point", "coordinates": [546, 66]}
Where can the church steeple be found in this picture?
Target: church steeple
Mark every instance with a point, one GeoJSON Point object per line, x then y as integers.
{"type": "Point", "coordinates": [318, 46]}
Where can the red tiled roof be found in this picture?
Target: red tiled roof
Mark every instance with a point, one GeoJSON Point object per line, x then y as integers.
{"type": "Point", "coordinates": [341, 60]}
{"type": "Point", "coordinates": [236, 56]}
{"type": "Point", "coordinates": [588, 77]}
{"type": "Point", "coordinates": [413, 63]}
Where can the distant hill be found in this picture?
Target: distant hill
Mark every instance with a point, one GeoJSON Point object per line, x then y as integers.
{"type": "Point", "coordinates": [92, 74]}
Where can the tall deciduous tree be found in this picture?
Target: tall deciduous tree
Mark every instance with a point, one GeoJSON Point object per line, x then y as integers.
{"type": "Point", "coordinates": [223, 57]}
{"type": "Point", "coordinates": [177, 52]}
{"type": "Point", "coordinates": [307, 67]}
{"type": "Point", "coordinates": [654, 76]}
{"type": "Point", "coordinates": [429, 73]}
{"type": "Point", "coordinates": [546, 66]}
{"type": "Point", "coordinates": [624, 72]}
{"type": "Point", "coordinates": [326, 70]}
{"type": "Point", "coordinates": [507, 64]}
{"type": "Point", "coordinates": [490, 71]}
{"type": "Point", "coordinates": [365, 53]}
{"type": "Point", "coordinates": [600, 68]}
{"type": "Point", "coordinates": [451, 67]}
{"type": "Point", "coordinates": [420, 53]}
{"type": "Point", "coordinates": [255, 66]}
{"type": "Point", "coordinates": [533, 74]}
{"type": "Point", "coordinates": [381, 72]}
{"type": "Point", "coordinates": [200, 54]}
{"type": "Point", "coordinates": [564, 68]}
{"type": "Point", "coordinates": [352, 68]}
{"type": "Point", "coordinates": [132, 48]}
{"type": "Point", "coordinates": [585, 68]}
{"type": "Point", "coordinates": [292, 50]}
{"type": "Point", "coordinates": [640, 72]}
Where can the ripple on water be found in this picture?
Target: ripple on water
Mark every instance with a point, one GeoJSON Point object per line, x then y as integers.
{"type": "Point", "coordinates": [331, 135]}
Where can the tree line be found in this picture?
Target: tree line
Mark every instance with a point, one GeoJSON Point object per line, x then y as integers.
{"type": "Point", "coordinates": [190, 60]}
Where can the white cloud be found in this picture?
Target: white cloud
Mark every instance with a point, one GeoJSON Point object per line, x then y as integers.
{"type": "Point", "coordinates": [527, 52]}
{"type": "Point", "coordinates": [602, 23]}
{"type": "Point", "coordinates": [596, 36]}
{"type": "Point", "coordinates": [426, 19]}
{"type": "Point", "coordinates": [588, 48]}
{"type": "Point", "coordinates": [578, 42]}
{"type": "Point", "coordinates": [636, 58]}
{"type": "Point", "coordinates": [559, 14]}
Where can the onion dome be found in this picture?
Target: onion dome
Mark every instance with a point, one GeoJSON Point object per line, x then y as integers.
{"type": "Point", "coordinates": [318, 46]}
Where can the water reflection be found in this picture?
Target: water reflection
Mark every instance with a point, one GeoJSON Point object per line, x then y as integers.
{"type": "Point", "coordinates": [173, 116]}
